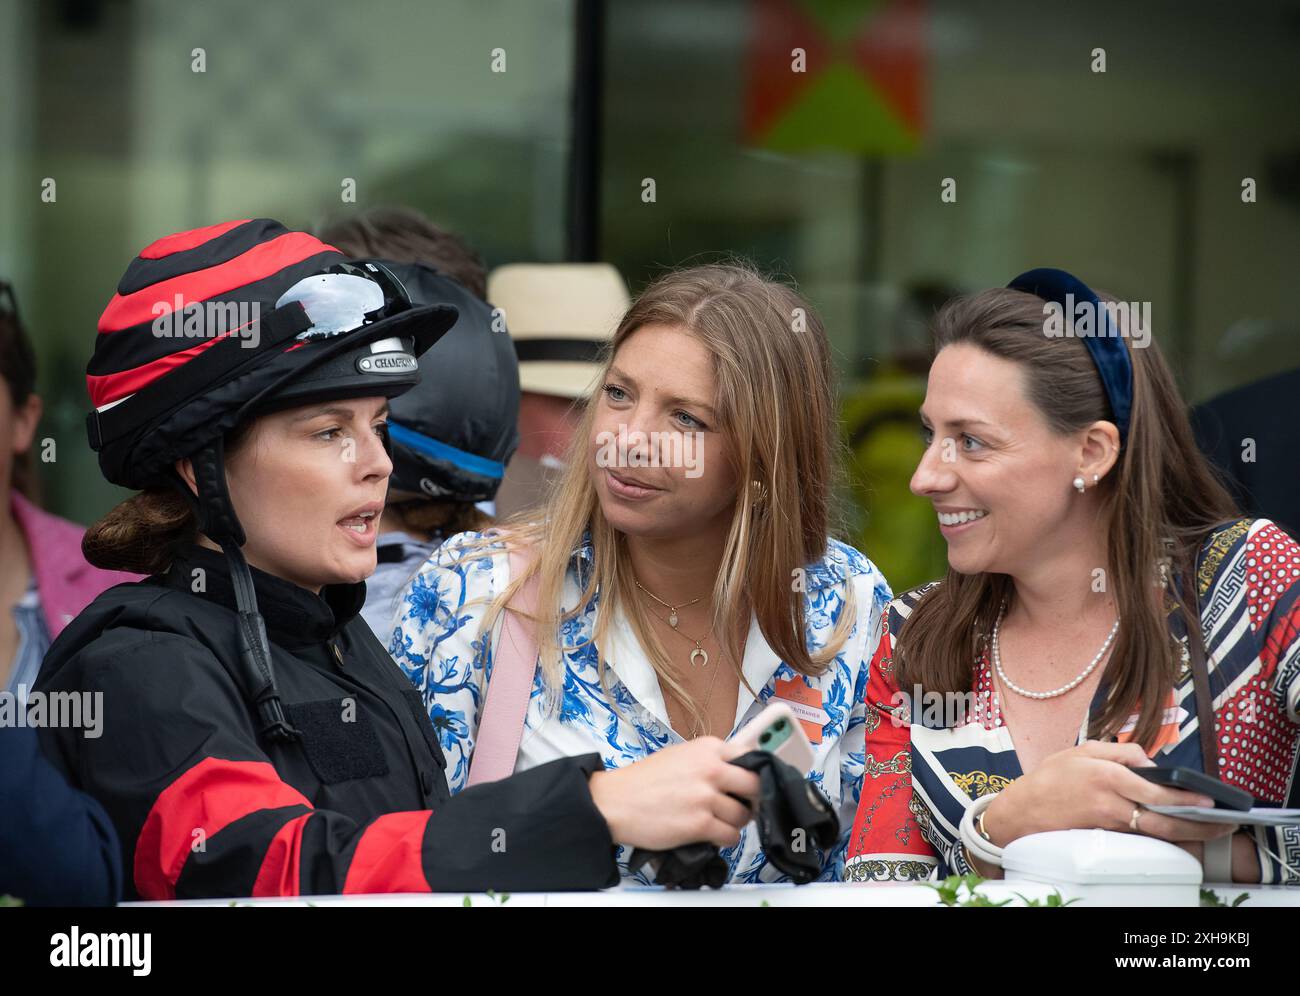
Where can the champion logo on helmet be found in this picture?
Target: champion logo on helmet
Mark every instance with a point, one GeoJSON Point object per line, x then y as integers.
{"type": "Point", "coordinates": [394, 363]}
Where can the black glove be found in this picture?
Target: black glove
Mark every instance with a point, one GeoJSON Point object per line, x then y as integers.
{"type": "Point", "coordinates": [794, 821]}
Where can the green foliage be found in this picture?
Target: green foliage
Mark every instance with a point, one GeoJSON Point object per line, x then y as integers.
{"type": "Point", "coordinates": [500, 898]}
{"type": "Point", "coordinates": [1055, 899]}
{"type": "Point", "coordinates": [1211, 898]}
{"type": "Point", "coordinates": [951, 894]}
{"type": "Point", "coordinates": [950, 891]}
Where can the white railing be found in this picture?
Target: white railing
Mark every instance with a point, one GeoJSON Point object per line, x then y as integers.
{"type": "Point", "coordinates": [1091, 867]}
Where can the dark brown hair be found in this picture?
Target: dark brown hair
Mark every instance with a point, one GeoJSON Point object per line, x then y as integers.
{"type": "Point", "coordinates": [433, 518]}
{"type": "Point", "coordinates": [1161, 488]}
{"type": "Point", "coordinates": [404, 235]}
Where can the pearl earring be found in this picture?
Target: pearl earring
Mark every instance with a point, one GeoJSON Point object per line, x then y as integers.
{"type": "Point", "coordinates": [1079, 485]}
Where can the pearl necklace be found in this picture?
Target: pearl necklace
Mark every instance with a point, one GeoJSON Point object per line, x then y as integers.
{"type": "Point", "coordinates": [997, 663]}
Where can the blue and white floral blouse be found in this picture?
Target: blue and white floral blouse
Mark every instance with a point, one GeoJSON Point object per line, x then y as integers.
{"type": "Point", "coordinates": [437, 644]}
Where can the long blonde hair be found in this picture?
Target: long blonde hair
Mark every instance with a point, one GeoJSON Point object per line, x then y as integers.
{"type": "Point", "coordinates": [776, 403]}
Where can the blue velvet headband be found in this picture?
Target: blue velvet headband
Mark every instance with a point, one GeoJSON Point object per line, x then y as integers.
{"type": "Point", "coordinates": [1105, 345]}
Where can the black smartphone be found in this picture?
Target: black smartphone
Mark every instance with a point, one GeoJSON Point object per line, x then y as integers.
{"type": "Point", "coordinates": [1225, 796]}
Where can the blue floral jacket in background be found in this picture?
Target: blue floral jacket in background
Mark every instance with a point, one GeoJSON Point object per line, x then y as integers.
{"type": "Point", "coordinates": [437, 642]}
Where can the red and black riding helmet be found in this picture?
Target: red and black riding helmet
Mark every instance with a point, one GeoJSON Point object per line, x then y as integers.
{"type": "Point", "coordinates": [214, 326]}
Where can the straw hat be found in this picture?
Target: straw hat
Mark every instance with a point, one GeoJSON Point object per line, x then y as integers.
{"type": "Point", "coordinates": [560, 316]}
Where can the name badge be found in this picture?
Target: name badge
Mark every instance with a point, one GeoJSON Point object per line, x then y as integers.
{"type": "Point", "coordinates": [806, 703]}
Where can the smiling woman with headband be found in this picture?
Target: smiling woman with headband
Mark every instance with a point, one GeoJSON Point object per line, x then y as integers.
{"type": "Point", "coordinates": [1103, 600]}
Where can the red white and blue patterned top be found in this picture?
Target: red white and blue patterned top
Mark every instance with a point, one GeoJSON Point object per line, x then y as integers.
{"type": "Point", "coordinates": [919, 779]}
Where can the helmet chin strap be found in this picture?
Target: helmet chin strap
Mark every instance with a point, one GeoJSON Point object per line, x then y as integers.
{"type": "Point", "coordinates": [215, 510]}
{"type": "Point", "coordinates": [217, 520]}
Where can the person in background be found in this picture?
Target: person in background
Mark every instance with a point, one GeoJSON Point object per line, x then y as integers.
{"type": "Point", "coordinates": [560, 315]}
{"type": "Point", "coordinates": [453, 433]}
{"type": "Point", "coordinates": [878, 417]}
{"type": "Point", "coordinates": [57, 846]}
{"type": "Point", "coordinates": [406, 235]}
{"type": "Point", "coordinates": [1254, 450]}
{"type": "Point", "coordinates": [46, 581]}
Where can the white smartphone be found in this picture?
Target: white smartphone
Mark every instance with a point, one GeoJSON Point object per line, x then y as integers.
{"type": "Point", "coordinates": [776, 729]}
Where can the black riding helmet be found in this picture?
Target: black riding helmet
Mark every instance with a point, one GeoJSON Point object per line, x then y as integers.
{"type": "Point", "coordinates": [453, 433]}
{"type": "Point", "coordinates": [212, 327]}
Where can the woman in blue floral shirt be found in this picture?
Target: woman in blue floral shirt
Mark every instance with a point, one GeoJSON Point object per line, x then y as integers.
{"type": "Point", "coordinates": [685, 575]}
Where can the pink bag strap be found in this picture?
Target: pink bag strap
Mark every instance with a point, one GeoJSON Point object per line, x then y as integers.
{"type": "Point", "coordinates": [513, 669]}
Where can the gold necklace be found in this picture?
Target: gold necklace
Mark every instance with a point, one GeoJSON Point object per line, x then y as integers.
{"type": "Point", "coordinates": [708, 696]}
{"type": "Point", "coordinates": [699, 648]}
{"type": "Point", "coordinates": [672, 609]}
{"type": "Point", "coordinates": [704, 709]}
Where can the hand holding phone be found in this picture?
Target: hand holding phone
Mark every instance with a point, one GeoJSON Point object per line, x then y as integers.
{"type": "Point", "coordinates": [1225, 796]}
{"type": "Point", "coordinates": [777, 730]}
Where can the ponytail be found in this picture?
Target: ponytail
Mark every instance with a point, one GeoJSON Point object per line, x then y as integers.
{"type": "Point", "coordinates": [142, 534]}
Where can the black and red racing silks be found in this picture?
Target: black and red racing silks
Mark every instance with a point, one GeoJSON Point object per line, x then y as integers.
{"type": "Point", "coordinates": [357, 804]}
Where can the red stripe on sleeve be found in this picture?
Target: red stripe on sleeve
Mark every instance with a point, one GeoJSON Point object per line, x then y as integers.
{"type": "Point", "coordinates": [182, 241]}
{"type": "Point", "coordinates": [390, 856]}
{"type": "Point", "coordinates": [278, 875]}
{"type": "Point", "coordinates": [260, 262]}
{"type": "Point", "coordinates": [208, 797]}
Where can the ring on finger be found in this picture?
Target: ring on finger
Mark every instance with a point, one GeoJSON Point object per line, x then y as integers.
{"type": "Point", "coordinates": [1133, 820]}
